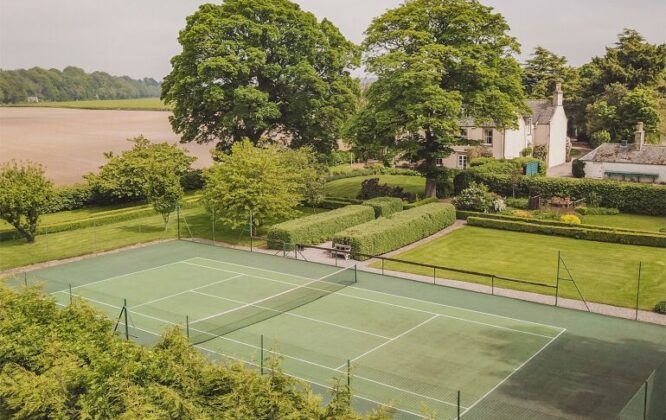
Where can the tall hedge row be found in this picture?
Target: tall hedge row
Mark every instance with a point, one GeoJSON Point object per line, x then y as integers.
{"type": "Point", "coordinates": [578, 232]}
{"type": "Point", "coordinates": [629, 197]}
{"type": "Point", "coordinates": [318, 228]}
{"type": "Point", "coordinates": [384, 206]}
{"type": "Point", "coordinates": [400, 229]}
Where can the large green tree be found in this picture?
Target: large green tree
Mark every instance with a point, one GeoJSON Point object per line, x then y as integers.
{"type": "Point", "coordinates": [261, 69]}
{"type": "Point", "coordinates": [257, 180]}
{"type": "Point", "coordinates": [543, 70]}
{"type": "Point", "coordinates": [435, 61]}
{"type": "Point", "coordinates": [163, 190]}
{"type": "Point", "coordinates": [24, 195]}
{"type": "Point", "coordinates": [125, 176]}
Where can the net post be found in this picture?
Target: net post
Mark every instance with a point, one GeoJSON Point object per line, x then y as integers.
{"type": "Point", "coordinates": [638, 286]}
{"type": "Point", "coordinates": [492, 285]}
{"type": "Point", "coordinates": [178, 221]}
{"type": "Point", "coordinates": [187, 327]}
{"type": "Point", "coordinates": [458, 417]}
{"type": "Point", "coordinates": [262, 355]}
{"type": "Point", "coordinates": [348, 373]}
{"type": "Point", "coordinates": [557, 281]}
{"type": "Point", "coordinates": [70, 293]}
{"type": "Point", "coordinates": [125, 315]}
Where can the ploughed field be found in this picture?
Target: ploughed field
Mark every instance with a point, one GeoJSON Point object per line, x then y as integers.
{"type": "Point", "coordinates": [70, 142]}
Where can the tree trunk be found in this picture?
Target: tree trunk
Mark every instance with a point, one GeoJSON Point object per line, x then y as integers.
{"type": "Point", "coordinates": [431, 188]}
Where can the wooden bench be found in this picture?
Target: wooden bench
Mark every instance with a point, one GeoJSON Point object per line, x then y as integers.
{"type": "Point", "coordinates": [341, 250]}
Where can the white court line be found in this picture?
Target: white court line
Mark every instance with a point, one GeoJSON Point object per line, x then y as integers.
{"type": "Point", "coordinates": [384, 293]}
{"type": "Point", "coordinates": [514, 371]}
{"type": "Point", "coordinates": [302, 286]}
{"type": "Point", "coordinates": [124, 275]}
{"type": "Point", "coordinates": [289, 313]}
{"type": "Point", "coordinates": [274, 352]}
{"type": "Point", "coordinates": [390, 340]}
{"type": "Point", "coordinates": [187, 291]}
{"type": "Point", "coordinates": [384, 303]}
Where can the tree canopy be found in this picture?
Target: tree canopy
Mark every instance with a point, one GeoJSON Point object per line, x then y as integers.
{"type": "Point", "coordinates": [435, 61]}
{"type": "Point", "coordinates": [24, 195]}
{"type": "Point", "coordinates": [71, 84]}
{"type": "Point", "coordinates": [261, 69]}
{"type": "Point", "coordinates": [66, 363]}
{"type": "Point", "coordinates": [543, 70]}
{"type": "Point", "coordinates": [125, 176]}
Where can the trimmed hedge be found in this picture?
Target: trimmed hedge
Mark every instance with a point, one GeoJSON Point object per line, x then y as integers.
{"type": "Point", "coordinates": [420, 203]}
{"type": "Point", "coordinates": [572, 231]}
{"type": "Point", "coordinates": [466, 214]}
{"type": "Point", "coordinates": [347, 199]}
{"type": "Point", "coordinates": [318, 228]}
{"type": "Point", "coordinates": [373, 171]}
{"type": "Point", "coordinates": [333, 204]}
{"type": "Point", "coordinates": [597, 211]}
{"type": "Point", "coordinates": [630, 197]}
{"type": "Point", "coordinates": [400, 229]}
{"type": "Point", "coordinates": [384, 206]}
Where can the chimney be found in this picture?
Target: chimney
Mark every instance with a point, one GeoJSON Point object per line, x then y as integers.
{"type": "Point", "coordinates": [639, 136]}
{"type": "Point", "coordinates": [558, 96]}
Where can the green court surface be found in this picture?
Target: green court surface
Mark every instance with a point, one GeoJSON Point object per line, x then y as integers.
{"type": "Point", "coordinates": [416, 347]}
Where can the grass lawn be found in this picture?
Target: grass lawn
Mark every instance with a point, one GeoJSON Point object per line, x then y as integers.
{"type": "Point", "coordinates": [350, 187]}
{"type": "Point", "coordinates": [629, 221]}
{"type": "Point", "coordinates": [604, 272]}
{"type": "Point", "coordinates": [139, 104]}
{"type": "Point", "coordinates": [195, 222]}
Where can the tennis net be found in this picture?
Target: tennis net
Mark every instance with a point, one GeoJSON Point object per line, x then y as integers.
{"type": "Point", "coordinates": [218, 325]}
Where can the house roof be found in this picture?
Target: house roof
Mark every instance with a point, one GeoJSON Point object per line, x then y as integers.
{"type": "Point", "coordinates": [616, 153]}
{"type": "Point", "coordinates": [542, 110]}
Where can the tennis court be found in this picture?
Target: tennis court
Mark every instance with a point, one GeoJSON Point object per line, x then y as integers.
{"type": "Point", "coordinates": [412, 352]}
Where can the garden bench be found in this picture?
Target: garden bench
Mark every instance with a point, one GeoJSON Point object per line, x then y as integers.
{"type": "Point", "coordinates": [342, 250]}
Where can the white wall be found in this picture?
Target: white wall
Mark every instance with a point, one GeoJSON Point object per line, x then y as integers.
{"type": "Point", "coordinates": [597, 169]}
{"type": "Point", "coordinates": [557, 138]}
{"type": "Point", "coordinates": [515, 141]}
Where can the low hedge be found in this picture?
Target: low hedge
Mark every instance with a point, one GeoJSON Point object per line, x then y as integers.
{"type": "Point", "coordinates": [466, 214]}
{"type": "Point", "coordinates": [372, 171]}
{"type": "Point", "coordinates": [597, 211]}
{"type": "Point", "coordinates": [332, 204]}
{"type": "Point", "coordinates": [384, 206]}
{"type": "Point", "coordinates": [572, 231]}
{"type": "Point", "coordinates": [420, 203]}
{"type": "Point", "coordinates": [389, 233]}
{"type": "Point", "coordinates": [630, 197]}
{"type": "Point", "coordinates": [318, 228]}
{"type": "Point", "coordinates": [347, 199]}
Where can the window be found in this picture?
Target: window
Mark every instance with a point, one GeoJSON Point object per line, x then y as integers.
{"type": "Point", "coordinates": [529, 126]}
{"type": "Point", "coordinates": [463, 133]}
{"type": "Point", "coordinates": [440, 162]}
{"type": "Point", "coordinates": [462, 161]}
{"type": "Point", "coordinates": [488, 136]}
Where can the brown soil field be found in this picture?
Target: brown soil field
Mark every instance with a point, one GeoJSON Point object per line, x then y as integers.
{"type": "Point", "coordinates": [70, 142]}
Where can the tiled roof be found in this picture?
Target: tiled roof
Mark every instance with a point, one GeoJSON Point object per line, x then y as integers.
{"type": "Point", "coordinates": [542, 110]}
{"type": "Point", "coordinates": [615, 152]}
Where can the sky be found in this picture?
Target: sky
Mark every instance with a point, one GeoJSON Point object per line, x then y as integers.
{"type": "Point", "coordinates": [138, 37]}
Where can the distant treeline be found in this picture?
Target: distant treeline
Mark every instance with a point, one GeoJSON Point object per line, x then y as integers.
{"type": "Point", "coordinates": [71, 84]}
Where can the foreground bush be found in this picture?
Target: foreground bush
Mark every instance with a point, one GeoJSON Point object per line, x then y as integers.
{"type": "Point", "coordinates": [66, 364]}
{"type": "Point", "coordinates": [400, 229]}
{"type": "Point", "coordinates": [318, 228]}
{"type": "Point", "coordinates": [384, 206]}
{"type": "Point", "coordinates": [572, 231]}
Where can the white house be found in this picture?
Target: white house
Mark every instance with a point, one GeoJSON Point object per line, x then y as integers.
{"type": "Point", "coordinates": [637, 162]}
{"type": "Point", "coordinates": [547, 125]}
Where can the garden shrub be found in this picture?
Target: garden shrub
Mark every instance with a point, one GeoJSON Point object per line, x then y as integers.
{"type": "Point", "coordinates": [69, 198]}
{"type": "Point", "coordinates": [444, 180]}
{"type": "Point", "coordinates": [597, 211]}
{"type": "Point", "coordinates": [599, 137]}
{"type": "Point", "coordinates": [192, 180]}
{"type": "Point", "coordinates": [371, 188]}
{"type": "Point", "coordinates": [540, 152]}
{"type": "Point", "coordinates": [475, 197]}
{"type": "Point", "coordinates": [318, 228]}
{"type": "Point", "coordinates": [578, 168]}
{"type": "Point", "coordinates": [389, 233]}
{"type": "Point", "coordinates": [419, 203]}
{"type": "Point", "coordinates": [372, 171]}
{"type": "Point", "coordinates": [462, 180]}
{"type": "Point", "coordinates": [660, 307]}
{"type": "Point", "coordinates": [570, 219]}
{"type": "Point", "coordinates": [630, 197]}
{"type": "Point", "coordinates": [518, 203]}
{"type": "Point", "coordinates": [384, 206]}
{"type": "Point", "coordinates": [578, 232]}
{"type": "Point", "coordinates": [522, 213]}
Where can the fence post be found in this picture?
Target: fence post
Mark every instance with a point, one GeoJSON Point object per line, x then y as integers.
{"type": "Point", "coordinates": [178, 222]}
{"type": "Point", "coordinates": [348, 373]}
{"type": "Point", "coordinates": [355, 274]}
{"type": "Point", "coordinates": [335, 253]}
{"type": "Point", "coordinates": [25, 279]}
{"type": "Point", "coordinates": [382, 266]}
{"type": "Point", "coordinates": [262, 355]}
{"type": "Point", "coordinates": [187, 327]}
{"type": "Point", "coordinates": [458, 405]}
{"type": "Point", "coordinates": [645, 399]}
{"type": "Point", "coordinates": [492, 285]}
{"type": "Point", "coordinates": [213, 227]}
{"type": "Point", "coordinates": [434, 275]}
{"type": "Point", "coordinates": [557, 281]}
{"type": "Point", "coordinates": [70, 293]}
{"type": "Point", "coordinates": [126, 325]}
{"type": "Point", "coordinates": [638, 286]}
